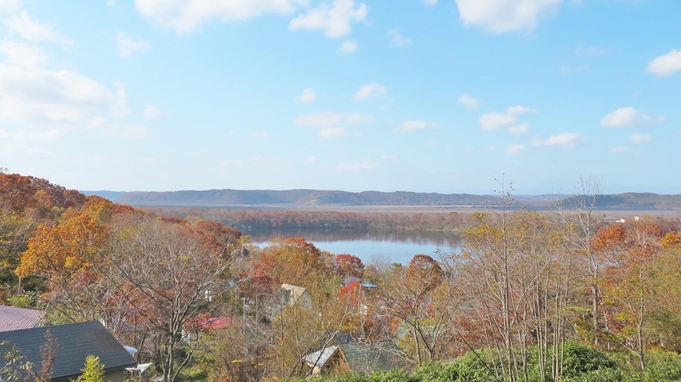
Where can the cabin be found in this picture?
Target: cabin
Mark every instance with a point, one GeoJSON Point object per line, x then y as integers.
{"type": "Point", "coordinates": [358, 357]}
{"type": "Point", "coordinates": [291, 295]}
{"type": "Point", "coordinates": [74, 342]}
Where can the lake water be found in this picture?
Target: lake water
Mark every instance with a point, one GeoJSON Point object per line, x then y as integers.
{"type": "Point", "coordinates": [396, 247]}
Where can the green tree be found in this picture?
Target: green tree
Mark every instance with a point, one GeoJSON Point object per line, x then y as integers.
{"type": "Point", "coordinates": [93, 370]}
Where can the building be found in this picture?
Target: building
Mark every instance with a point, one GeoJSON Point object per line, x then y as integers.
{"type": "Point", "coordinates": [291, 295]}
{"type": "Point", "coordinates": [12, 318]}
{"type": "Point", "coordinates": [358, 357]}
{"type": "Point", "coordinates": [74, 342]}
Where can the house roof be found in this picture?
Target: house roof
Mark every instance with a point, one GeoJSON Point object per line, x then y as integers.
{"type": "Point", "coordinates": [74, 343]}
{"type": "Point", "coordinates": [12, 318]}
{"type": "Point", "coordinates": [361, 357]}
{"type": "Point", "coordinates": [320, 357]}
{"type": "Point", "coordinates": [293, 293]}
{"type": "Point", "coordinates": [365, 357]}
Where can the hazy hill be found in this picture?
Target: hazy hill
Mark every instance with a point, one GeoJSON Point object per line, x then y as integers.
{"type": "Point", "coordinates": [216, 198]}
{"type": "Point", "coordinates": [311, 198]}
{"type": "Point", "coordinates": [632, 200]}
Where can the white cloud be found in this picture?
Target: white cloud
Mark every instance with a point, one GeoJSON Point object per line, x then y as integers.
{"type": "Point", "coordinates": [309, 95]}
{"type": "Point", "coordinates": [414, 125]}
{"type": "Point", "coordinates": [9, 6]}
{"type": "Point", "coordinates": [518, 110]}
{"type": "Point", "coordinates": [396, 39]}
{"type": "Point", "coordinates": [335, 20]}
{"type": "Point", "coordinates": [329, 123]}
{"type": "Point", "coordinates": [666, 64]}
{"type": "Point", "coordinates": [21, 54]}
{"type": "Point", "coordinates": [366, 91]}
{"type": "Point", "coordinates": [519, 129]}
{"type": "Point", "coordinates": [37, 96]}
{"type": "Point", "coordinates": [311, 160]}
{"type": "Point", "coordinates": [186, 15]}
{"type": "Point", "coordinates": [499, 16]}
{"type": "Point", "coordinates": [357, 166]}
{"type": "Point", "coordinates": [430, 2]}
{"type": "Point", "coordinates": [388, 157]}
{"type": "Point", "coordinates": [32, 135]}
{"type": "Point", "coordinates": [127, 45]}
{"type": "Point", "coordinates": [32, 30]}
{"type": "Point", "coordinates": [258, 134]}
{"type": "Point", "coordinates": [629, 117]}
{"type": "Point", "coordinates": [348, 47]}
{"type": "Point", "coordinates": [496, 121]}
{"type": "Point", "coordinates": [641, 138]}
{"type": "Point", "coordinates": [508, 120]}
{"type": "Point", "coordinates": [515, 149]}
{"type": "Point", "coordinates": [468, 101]}
{"type": "Point", "coordinates": [152, 112]}
{"type": "Point", "coordinates": [565, 140]}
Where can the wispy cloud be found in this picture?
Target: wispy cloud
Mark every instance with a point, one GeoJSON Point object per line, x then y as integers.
{"type": "Point", "coordinates": [32, 30]}
{"type": "Point", "coordinates": [152, 112]}
{"type": "Point", "coordinates": [348, 47]}
{"type": "Point", "coordinates": [468, 101]}
{"type": "Point", "coordinates": [366, 91]}
{"type": "Point", "coordinates": [515, 149]}
{"type": "Point", "coordinates": [128, 45]}
{"type": "Point", "coordinates": [32, 135]}
{"type": "Point", "coordinates": [414, 125]}
{"type": "Point", "coordinates": [565, 140]}
{"type": "Point", "coordinates": [309, 95]}
{"type": "Point", "coordinates": [567, 69]}
{"type": "Point", "coordinates": [629, 117]}
{"type": "Point", "coordinates": [186, 15]}
{"type": "Point", "coordinates": [330, 124]}
{"type": "Point", "coordinates": [500, 16]}
{"type": "Point", "coordinates": [396, 39]}
{"type": "Point", "coordinates": [335, 20]}
{"type": "Point", "coordinates": [363, 166]}
{"type": "Point", "coordinates": [638, 139]}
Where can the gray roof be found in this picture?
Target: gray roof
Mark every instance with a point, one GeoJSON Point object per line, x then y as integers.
{"type": "Point", "coordinates": [365, 357]}
{"type": "Point", "coordinates": [12, 318]}
{"type": "Point", "coordinates": [74, 343]}
{"type": "Point", "coordinates": [361, 357]}
{"type": "Point", "coordinates": [320, 357]}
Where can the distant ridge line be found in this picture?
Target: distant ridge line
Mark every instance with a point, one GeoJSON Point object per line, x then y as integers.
{"type": "Point", "coordinates": [300, 198]}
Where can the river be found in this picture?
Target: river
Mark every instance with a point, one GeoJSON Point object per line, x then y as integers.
{"type": "Point", "coordinates": [393, 246]}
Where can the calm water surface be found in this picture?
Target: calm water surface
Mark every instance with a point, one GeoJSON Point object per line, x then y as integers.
{"type": "Point", "coordinates": [398, 247]}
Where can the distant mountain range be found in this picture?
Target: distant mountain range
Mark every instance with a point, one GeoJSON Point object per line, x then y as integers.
{"type": "Point", "coordinates": [314, 198]}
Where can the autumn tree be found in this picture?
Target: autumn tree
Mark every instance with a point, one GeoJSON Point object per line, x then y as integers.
{"type": "Point", "coordinates": [349, 265]}
{"type": "Point", "coordinates": [64, 253]}
{"type": "Point", "coordinates": [168, 273]}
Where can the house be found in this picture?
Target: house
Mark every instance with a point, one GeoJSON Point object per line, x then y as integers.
{"type": "Point", "coordinates": [358, 357]}
{"type": "Point", "coordinates": [74, 343]}
{"type": "Point", "coordinates": [612, 219]}
{"type": "Point", "coordinates": [12, 318]}
{"type": "Point", "coordinates": [291, 295]}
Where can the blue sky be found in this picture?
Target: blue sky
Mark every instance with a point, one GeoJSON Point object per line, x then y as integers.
{"type": "Point", "coordinates": [414, 95]}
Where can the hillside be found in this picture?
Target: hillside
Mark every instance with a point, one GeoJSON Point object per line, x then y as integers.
{"type": "Point", "coordinates": [311, 198]}
{"type": "Point", "coordinates": [225, 198]}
